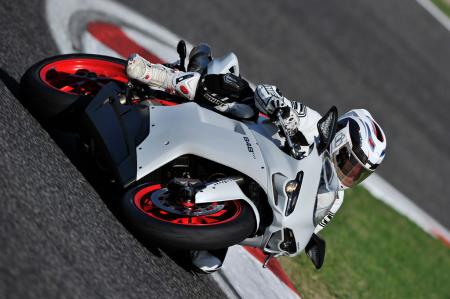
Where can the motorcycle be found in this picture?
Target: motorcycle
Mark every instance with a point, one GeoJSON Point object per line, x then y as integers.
{"type": "Point", "coordinates": [190, 178]}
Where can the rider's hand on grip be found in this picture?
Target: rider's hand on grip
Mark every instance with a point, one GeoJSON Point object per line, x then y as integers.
{"type": "Point", "coordinates": [284, 112]}
{"type": "Point", "coordinates": [268, 98]}
{"type": "Point", "coordinates": [290, 118]}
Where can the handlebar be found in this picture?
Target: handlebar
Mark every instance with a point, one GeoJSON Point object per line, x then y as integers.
{"type": "Point", "coordinates": [293, 151]}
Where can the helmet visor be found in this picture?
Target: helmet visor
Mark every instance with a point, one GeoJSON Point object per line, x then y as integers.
{"type": "Point", "coordinates": [349, 169]}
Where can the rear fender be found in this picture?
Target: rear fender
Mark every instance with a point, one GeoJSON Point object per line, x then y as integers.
{"type": "Point", "coordinates": [225, 190]}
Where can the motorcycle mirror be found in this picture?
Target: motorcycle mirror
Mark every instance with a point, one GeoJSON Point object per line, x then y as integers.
{"type": "Point", "coordinates": [315, 250]}
{"type": "Point", "coordinates": [327, 129]}
{"type": "Point", "coordinates": [181, 50]}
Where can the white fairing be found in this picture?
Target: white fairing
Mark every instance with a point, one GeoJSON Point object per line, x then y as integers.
{"type": "Point", "coordinates": [226, 64]}
{"type": "Point", "coordinates": [223, 191]}
{"type": "Point", "coordinates": [246, 147]}
{"type": "Point", "coordinates": [284, 168]}
{"type": "Point", "coordinates": [191, 129]}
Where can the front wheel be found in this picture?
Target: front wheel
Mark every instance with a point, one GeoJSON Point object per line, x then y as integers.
{"type": "Point", "coordinates": [175, 223]}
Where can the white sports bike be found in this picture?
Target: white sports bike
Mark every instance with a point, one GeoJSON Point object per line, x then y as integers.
{"type": "Point", "coordinates": [189, 177]}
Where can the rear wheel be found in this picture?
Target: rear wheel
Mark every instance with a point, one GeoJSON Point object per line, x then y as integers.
{"type": "Point", "coordinates": [174, 222]}
{"type": "Point", "coordinates": [54, 85]}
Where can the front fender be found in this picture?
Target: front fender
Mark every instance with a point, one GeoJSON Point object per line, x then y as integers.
{"type": "Point", "coordinates": [225, 190]}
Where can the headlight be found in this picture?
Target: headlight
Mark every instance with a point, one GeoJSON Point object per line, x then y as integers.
{"type": "Point", "coordinates": [292, 189]}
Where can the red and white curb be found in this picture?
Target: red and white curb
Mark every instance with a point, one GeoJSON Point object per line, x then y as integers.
{"type": "Point", "coordinates": [75, 26]}
{"type": "Point", "coordinates": [242, 272]}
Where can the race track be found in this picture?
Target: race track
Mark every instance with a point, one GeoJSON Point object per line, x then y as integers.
{"type": "Point", "coordinates": [59, 239]}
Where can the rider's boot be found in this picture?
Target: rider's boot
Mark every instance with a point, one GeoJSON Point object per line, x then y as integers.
{"type": "Point", "coordinates": [208, 261]}
{"type": "Point", "coordinates": [160, 77]}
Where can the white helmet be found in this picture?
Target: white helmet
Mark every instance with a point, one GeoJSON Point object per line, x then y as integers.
{"type": "Point", "coordinates": [358, 147]}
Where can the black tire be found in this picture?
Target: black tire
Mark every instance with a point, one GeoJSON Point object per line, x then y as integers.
{"type": "Point", "coordinates": [45, 102]}
{"type": "Point", "coordinates": [175, 236]}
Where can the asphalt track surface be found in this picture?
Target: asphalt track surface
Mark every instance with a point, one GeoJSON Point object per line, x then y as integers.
{"type": "Point", "coordinates": [59, 239]}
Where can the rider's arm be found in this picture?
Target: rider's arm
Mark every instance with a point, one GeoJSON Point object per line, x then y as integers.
{"type": "Point", "coordinates": [327, 206]}
{"type": "Point", "coordinates": [301, 118]}
{"type": "Point", "coordinates": [308, 119]}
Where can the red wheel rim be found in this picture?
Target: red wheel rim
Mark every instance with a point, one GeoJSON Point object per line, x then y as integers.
{"type": "Point", "coordinates": [142, 200]}
{"type": "Point", "coordinates": [82, 76]}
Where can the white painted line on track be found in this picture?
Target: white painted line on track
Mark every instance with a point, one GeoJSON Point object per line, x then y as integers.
{"type": "Point", "coordinates": [435, 12]}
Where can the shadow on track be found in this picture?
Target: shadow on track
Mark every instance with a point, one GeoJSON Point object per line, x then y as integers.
{"type": "Point", "coordinates": [10, 83]}
{"type": "Point", "coordinates": [108, 192]}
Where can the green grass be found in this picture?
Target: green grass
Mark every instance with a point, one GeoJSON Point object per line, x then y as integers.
{"type": "Point", "coordinates": [373, 252]}
{"type": "Point", "coordinates": [442, 5]}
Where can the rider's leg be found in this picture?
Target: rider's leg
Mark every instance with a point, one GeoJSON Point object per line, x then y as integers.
{"type": "Point", "coordinates": [158, 76]}
{"type": "Point", "coordinates": [199, 58]}
{"type": "Point", "coordinates": [226, 93]}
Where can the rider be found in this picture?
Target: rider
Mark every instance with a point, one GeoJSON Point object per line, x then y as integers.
{"type": "Point", "coordinates": [357, 149]}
